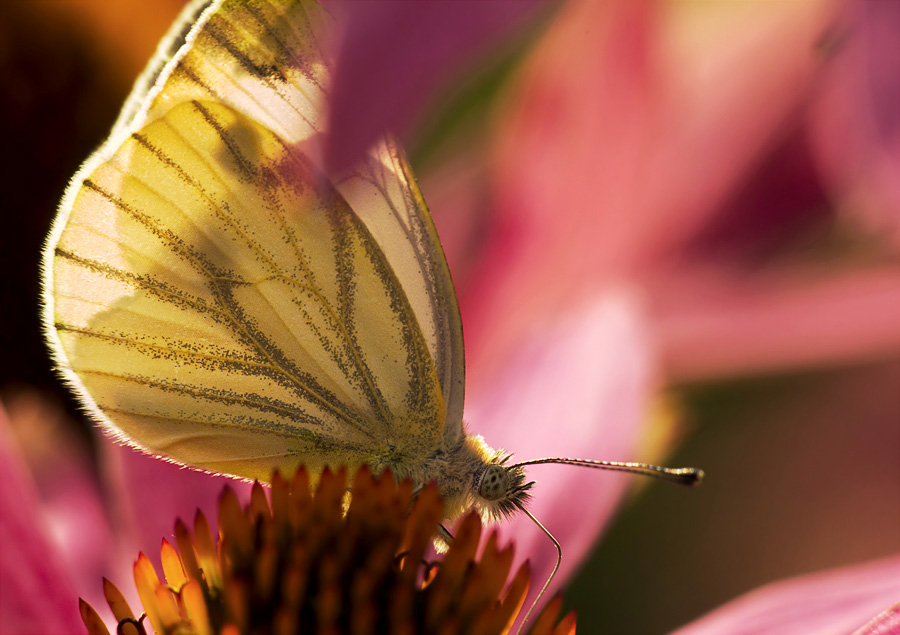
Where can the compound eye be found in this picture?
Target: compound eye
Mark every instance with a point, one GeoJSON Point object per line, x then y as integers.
{"type": "Point", "coordinates": [494, 483]}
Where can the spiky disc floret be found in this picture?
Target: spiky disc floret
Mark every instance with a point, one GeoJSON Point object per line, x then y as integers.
{"type": "Point", "coordinates": [302, 564]}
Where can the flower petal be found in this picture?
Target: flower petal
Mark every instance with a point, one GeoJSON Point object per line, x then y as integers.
{"type": "Point", "coordinates": [885, 623]}
{"type": "Point", "coordinates": [578, 387]}
{"type": "Point", "coordinates": [149, 494]}
{"type": "Point", "coordinates": [855, 121]}
{"type": "Point", "coordinates": [37, 593]}
{"type": "Point", "coordinates": [741, 324]}
{"type": "Point", "coordinates": [830, 602]}
{"type": "Point", "coordinates": [603, 179]}
{"type": "Point", "coordinates": [395, 56]}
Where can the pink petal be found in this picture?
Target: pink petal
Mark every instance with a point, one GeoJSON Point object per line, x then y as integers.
{"type": "Point", "coordinates": [150, 493]}
{"type": "Point", "coordinates": [731, 79]}
{"type": "Point", "coordinates": [663, 128]}
{"type": "Point", "coordinates": [719, 325]}
{"type": "Point", "coordinates": [831, 602]}
{"type": "Point", "coordinates": [781, 204]}
{"type": "Point", "coordinates": [37, 594]}
{"type": "Point", "coordinates": [71, 499]}
{"type": "Point", "coordinates": [395, 57]}
{"type": "Point", "coordinates": [577, 387]}
{"type": "Point", "coordinates": [885, 623]}
{"type": "Point", "coordinates": [628, 130]}
{"type": "Point", "coordinates": [855, 122]}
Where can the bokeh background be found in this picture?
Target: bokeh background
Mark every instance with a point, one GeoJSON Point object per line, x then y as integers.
{"type": "Point", "coordinates": [762, 232]}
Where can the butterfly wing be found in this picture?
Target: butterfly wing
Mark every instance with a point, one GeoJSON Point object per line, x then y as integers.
{"type": "Point", "coordinates": [265, 59]}
{"type": "Point", "coordinates": [398, 218]}
{"type": "Point", "coordinates": [213, 298]}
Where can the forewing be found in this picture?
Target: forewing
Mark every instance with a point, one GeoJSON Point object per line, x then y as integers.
{"type": "Point", "coordinates": [218, 302]}
{"type": "Point", "coordinates": [267, 60]}
{"type": "Point", "coordinates": [212, 298]}
{"type": "Point", "coordinates": [264, 59]}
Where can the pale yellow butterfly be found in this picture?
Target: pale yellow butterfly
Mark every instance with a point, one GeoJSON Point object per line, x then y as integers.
{"type": "Point", "coordinates": [213, 298]}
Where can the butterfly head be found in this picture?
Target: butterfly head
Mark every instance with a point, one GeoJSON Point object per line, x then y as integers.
{"type": "Point", "coordinates": [501, 489]}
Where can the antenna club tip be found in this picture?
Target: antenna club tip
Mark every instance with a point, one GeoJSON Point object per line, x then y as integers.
{"type": "Point", "coordinates": [695, 476]}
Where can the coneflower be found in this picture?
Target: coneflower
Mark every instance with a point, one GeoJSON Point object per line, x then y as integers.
{"type": "Point", "coordinates": [308, 562]}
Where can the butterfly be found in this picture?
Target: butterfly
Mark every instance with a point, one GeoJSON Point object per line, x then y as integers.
{"type": "Point", "coordinates": [213, 297]}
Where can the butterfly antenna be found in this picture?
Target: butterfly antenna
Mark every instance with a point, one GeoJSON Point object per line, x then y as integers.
{"type": "Point", "coordinates": [679, 475]}
{"type": "Point", "coordinates": [552, 573]}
